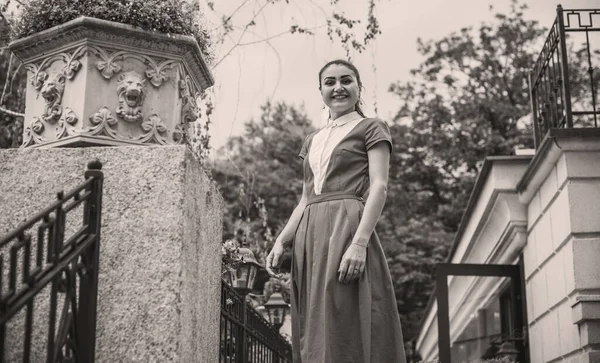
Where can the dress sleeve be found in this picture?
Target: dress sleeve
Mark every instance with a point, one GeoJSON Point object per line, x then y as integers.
{"type": "Point", "coordinates": [378, 131]}
{"type": "Point", "coordinates": [304, 149]}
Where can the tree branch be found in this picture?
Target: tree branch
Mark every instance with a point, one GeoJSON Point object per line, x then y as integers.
{"type": "Point", "coordinates": [278, 35]}
{"type": "Point", "coordinates": [231, 15]}
{"type": "Point", "coordinates": [7, 79]}
{"type": "Point", "coordinates": [11, 113]}
{"type": "Point", "coordinates": [243, 33]}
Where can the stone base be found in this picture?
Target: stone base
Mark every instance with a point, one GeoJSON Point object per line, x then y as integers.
{"type": "Point", "coordinates": [159, 282]}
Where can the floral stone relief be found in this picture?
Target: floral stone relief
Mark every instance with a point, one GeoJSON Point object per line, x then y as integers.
{"type": "Point", "coordinates": [138, 87]}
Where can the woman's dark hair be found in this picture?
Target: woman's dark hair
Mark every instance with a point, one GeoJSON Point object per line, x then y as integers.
{"type": "Point", "coordinates": [345, 63]}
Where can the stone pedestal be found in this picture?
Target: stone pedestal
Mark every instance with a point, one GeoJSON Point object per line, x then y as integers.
{"type": "Point", "coordinates": [159, 282]}
{"type": "Point", "coordinates": [561, 189]}
{"type": "Point", "coordinates": [96, 82]}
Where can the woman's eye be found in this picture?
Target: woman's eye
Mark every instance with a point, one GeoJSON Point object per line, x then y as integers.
{"type": "Point", "coordinates": [347, 81]}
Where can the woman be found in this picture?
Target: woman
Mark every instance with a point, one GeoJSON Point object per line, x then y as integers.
{"type": "Point", "coordinates": [343, 303]}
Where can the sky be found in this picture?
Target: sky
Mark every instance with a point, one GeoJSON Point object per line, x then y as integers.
{"type": "Point", "coordinates": [286, 69]}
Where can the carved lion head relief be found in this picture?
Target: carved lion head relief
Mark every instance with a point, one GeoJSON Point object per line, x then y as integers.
{"type": "Point", "coordinates": [52, 91]}
{"type": "Point", "coordinates": [131, 91]}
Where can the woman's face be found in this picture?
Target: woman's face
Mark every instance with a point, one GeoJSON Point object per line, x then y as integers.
{"type": "Point", "coordinates": [339, 89]}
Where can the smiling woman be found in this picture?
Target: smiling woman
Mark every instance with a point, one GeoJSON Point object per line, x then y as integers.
{"type": "Point", "coordinates": [340, 86]}
{"type": "Point", "coordinates": [343, 303]}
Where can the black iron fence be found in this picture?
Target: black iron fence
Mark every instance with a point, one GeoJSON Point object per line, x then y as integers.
{"type": "Point", "coordinates": [246, 336]}
{"type": "Point", "coordinates": [49, 279]}
{"type": "Point", "coordinates": [564, 81]}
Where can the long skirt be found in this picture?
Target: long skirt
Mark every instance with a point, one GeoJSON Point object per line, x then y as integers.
{"type": "Point", "coordinates": [333, 322]}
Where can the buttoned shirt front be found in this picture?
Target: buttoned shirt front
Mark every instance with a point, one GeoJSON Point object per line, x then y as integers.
{"type": "Point", "coordinates": [325, 141]}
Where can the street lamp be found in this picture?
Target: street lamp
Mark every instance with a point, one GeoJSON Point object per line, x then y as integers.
{"type": "Point", "coordinates": [508, 350]}
{"type": "Point", "coordinates": [244, 277]}
{"type": "Point", "coordinates": [491, 351]}
{"type": "Point", "coordinates": [277, 309]}
{"type": "Point", "coordinates": [242, 281]}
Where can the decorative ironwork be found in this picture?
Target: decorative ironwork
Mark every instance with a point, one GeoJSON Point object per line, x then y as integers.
{"type": "Point", "coordinates": [555, 99]}
{"type": "Point", "coordinates": [49, 279]}
{"type": "Point", "coordinates": [246, 336]}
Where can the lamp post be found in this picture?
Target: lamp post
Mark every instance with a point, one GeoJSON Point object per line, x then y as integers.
{"type": "Point", "coordinates": [508, 350]}
{"type": "Point", "coordinates": [244, 277]}
{"type": "Point", "coordinates": [242, 280]}
{"type": "Point", "coordinates": [277, 309]}
{"type": "Point", "coordinates": [491, 351]}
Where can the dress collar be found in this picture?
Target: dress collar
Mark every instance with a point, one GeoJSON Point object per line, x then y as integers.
{"type": "Point", "coordinates": [349, 117]}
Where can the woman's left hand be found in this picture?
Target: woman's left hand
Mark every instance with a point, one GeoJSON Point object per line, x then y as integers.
{"type": "Point", "coordinates": [353, 263]}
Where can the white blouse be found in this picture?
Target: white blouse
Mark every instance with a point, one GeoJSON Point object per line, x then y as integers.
{"type": "Point", "coordinates": [325, 141]}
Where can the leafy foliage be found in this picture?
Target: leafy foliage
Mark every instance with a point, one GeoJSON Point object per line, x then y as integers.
{"type": "Point", "coordinates": [466, 101]}
{"type": "Point", "coordinates": [260, 178]}
{"type": "Point", "coordinates": [13, 93]}
{"type": "Point", "coordinates": [165, 16]}
{"type": "Point", "coordinates": [230, 257]}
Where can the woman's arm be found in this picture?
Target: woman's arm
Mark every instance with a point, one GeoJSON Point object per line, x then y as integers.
{"type": "Point", "coordinates": [379, 165]}
{"type": "Point", "coordinates": [286, 236]}
{"type": "Point", "coordinates": [354, 259]}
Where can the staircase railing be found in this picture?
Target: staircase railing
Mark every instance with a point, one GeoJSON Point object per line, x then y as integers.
{"type": "Point", "coordinates": [49, 279]}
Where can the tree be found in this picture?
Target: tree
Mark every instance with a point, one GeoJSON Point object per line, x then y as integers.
{"type": "Point", "coordinates": [12, 97]}
{"type": "Point", "coordinates": [464, 102]}
{"type": "Point", "coordinates": [260, 176]}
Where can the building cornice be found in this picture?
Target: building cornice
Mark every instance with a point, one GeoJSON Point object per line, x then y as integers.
{"type": "Point", "coordinates": [85, 29]}
{"type": "Point", "coordinates": [556, 142]}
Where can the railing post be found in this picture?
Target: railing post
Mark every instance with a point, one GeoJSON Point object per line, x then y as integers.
{"type": "Point", "coordinates": [88, 294]}
{"type": "Point", "coordinates": [564, 66]}
{"type": "Point", "coordinates": [240, 343]}
{"type": "Point", "coordinates": [441, 291]}
{"type": "Point", "coordinates": [534, 106]}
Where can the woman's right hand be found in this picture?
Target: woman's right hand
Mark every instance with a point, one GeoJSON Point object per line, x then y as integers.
{"type": "Point", "coordinates": [274, 259]}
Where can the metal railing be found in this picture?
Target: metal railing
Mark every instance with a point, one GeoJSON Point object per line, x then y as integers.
{"type": "Point", "coordinates": [49, 279]}
{"type": "Point", "coordinates": [246, 336]}
{"type": "Point", "coordinates": [562, 87]}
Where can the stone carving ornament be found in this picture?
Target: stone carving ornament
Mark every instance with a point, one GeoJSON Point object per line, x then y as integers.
{"type": "Point", "coordinates": [188, 95]}
{"type": "Point", "coordinates": [108, 66]}
{"type": "Point", "coordinates": [52, 91]}
{"type": "Point", "coordinates": [131, 92]}
{"type": "Point", "coordinates": [66, 124]}
{"type": "Point", "coordinates": [51, 85]}
{"type": "Point", "coordinates": [104, 124]}
{"type": "Point", "coordinates": [155, 129]}
{"type": "Point", "coordinates": [116, 52]}
{"type": "Point", "coordinates": [32, 134]}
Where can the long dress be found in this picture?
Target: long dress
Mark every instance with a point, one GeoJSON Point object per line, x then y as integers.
{"type": "Point", "coordinates": [334, 322]}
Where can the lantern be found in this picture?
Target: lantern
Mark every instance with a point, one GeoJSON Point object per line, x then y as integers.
{"type": "Point", "coordinates": [244, 277]}
{"type": "Point", "coordinates": [508, 350]}
{"type": "Point", "coordinates": [277, 309]}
